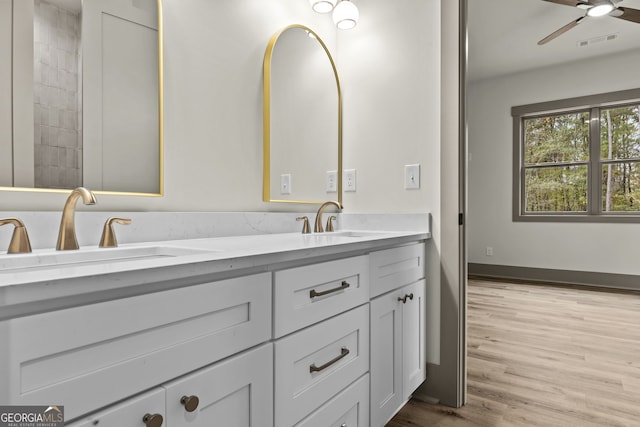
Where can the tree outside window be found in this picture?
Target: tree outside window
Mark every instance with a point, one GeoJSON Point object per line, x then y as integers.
{"type": "Point", "coordinates": [578, 159]}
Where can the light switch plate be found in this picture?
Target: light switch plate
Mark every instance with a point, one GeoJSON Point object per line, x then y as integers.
{"type": "Point", "coordinates": [349, 180]}
{"type": "Point", "coordinates": [411, 177]}
{"type": "Point", "coordinates": [332, 181]}
{"type": "Point", "coordinates": [285, 183]}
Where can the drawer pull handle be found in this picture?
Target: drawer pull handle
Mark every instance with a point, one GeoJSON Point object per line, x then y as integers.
{"type": "Point", "coordinates": [313, 293]}
{"type": "Point", "coordinates": [190, 403]}
{"type": "Point", "coordinates": [152, 420]}
{"type": "Point", "coordinates": [404, 298]}
{"type": "Point", "coordinates": [343, 353]}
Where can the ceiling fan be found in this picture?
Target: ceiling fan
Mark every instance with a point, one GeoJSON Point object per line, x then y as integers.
{"type": "Point", "coordinates": [593, 8]}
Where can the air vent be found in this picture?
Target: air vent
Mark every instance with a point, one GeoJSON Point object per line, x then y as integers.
{"type": "Point", "coordinates": [597, 40]}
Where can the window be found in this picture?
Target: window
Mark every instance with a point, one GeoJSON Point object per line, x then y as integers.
{"type": "Point", "coordinates": [578, 159]}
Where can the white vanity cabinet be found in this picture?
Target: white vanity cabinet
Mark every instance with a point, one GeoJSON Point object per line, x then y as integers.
{"type": "Point", "coordinates": [324, 337]}
{"type": "Point", "coordinates": [397, 329]}
{"type": "Point", "coordinates": [94, 355]}
{"type": "Point", "coordinates": [314, 364]}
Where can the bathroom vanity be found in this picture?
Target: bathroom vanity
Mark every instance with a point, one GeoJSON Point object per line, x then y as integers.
{"type": "Point", "coordinates": [264, 330]}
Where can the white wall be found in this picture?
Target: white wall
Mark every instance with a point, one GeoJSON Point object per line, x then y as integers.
{"type": "Point", "coordinates": [213, 106]}
{"type": "Point", "coordinates": [389, 66]}
{"type": "Point", "coordinates": [608, 248]}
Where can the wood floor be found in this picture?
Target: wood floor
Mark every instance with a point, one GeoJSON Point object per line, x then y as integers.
{"type": "Point", "coordinates": [543, 355]}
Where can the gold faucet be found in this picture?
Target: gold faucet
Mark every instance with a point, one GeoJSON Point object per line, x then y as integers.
{"type": "Point", "coordinates": [108, 239]}
{"type": "Point", "coordinates": [329, 226]}
{"type": "Point", "coordinates": [305, 224]}
{"type": "Point", "coordinates": [317, 228]}
{"type": "Point", "coordinates": [20, 239]}
{"type": "Point", "coordinates": [67, 234]}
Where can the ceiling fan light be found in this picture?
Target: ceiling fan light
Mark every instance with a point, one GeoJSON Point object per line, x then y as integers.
{"type": "Point", "coordinates": [322, 6]}
{"type": "Point", "coordinates": [600, 9]}
{"type": "Point", "coordinates": [345, 15]}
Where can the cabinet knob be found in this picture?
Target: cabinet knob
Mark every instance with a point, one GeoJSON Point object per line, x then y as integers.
{"type": "Point", "coordinates": [152, 420]}
{"type": "Point", "coordinates": [190, 403]}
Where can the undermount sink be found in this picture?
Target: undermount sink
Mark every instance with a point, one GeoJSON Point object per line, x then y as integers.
{"type": "Point", "coordinates": [355, 234]}
{"type": "Point", "coordinates": [41, 261]}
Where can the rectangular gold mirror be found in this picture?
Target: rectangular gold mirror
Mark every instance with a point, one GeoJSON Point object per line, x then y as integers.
{"type": "Point", "coordinates": [82, 95]}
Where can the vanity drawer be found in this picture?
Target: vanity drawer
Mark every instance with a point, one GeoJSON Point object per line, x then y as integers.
{"type": "Point", "coordinates": [393, 268]}
{"type": "Point", "coordinates": [310, 294]}
{"type": "Point", "coordinates": [131, 412]}
{"type": "Point", "coordinates": [313, 365]}
{"type": "Point", "coordinates": [350, 408]}
{"type": "Point", "coordinates": [91, 356]}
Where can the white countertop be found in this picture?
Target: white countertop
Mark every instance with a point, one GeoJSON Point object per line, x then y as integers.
{"type": "Point", "coordinates": [42, 288]}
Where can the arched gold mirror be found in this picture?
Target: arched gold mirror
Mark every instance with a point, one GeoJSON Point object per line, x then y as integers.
{"type": "Point", "coordinates": [302, 114]}
{"type": "Point", "coordinates": [81, 100]}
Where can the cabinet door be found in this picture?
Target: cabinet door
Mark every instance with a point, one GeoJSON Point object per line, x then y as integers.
{"type": "Point", "coordinates": [145, 409]}
{"type": "Point", "coordinates": [386, 357]}
{"type": "Point", "coordinates": [413, 338]}
{"type": "Point", "coordinates": [237, 392]}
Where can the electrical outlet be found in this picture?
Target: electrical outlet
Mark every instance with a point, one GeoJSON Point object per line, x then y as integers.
{"type": "Point", "coordinates": [349, 180]}
{"type": "Point", "coordinates": [411, 177]}
{"type": "Point", "coordinates": [332, 181]}
{"type": "Point", "coordinates": [285, 183]}
{"type": "Point", "coordinates": [489, 251]}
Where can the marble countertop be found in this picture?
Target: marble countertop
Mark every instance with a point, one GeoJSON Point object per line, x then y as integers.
{"type": "Point", "coordinates": [45, 282]}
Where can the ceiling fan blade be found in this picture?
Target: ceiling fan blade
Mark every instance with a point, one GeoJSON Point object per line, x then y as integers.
{"type": "Point", "coordinates": [628, 14]}
{"type": "Point", "coordinates": [560, 31]}
{"type": "Point", "coordinates": [573, 3]}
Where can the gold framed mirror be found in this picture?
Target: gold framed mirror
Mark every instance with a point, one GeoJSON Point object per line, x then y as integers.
{"type": "Point", "coordinates": [84, 104]}
{"type": "Point", "coordinates": [302, 119]}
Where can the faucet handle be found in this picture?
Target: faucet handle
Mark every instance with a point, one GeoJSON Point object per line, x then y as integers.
{"type": "Point", "coordinates": [108, 239]}
{"type": "Point", "coordinates": [330, 223]}
{"type": "Point", "coordinates": [305, 225]}
{"type": "Point", "coordinates": [20, 243]}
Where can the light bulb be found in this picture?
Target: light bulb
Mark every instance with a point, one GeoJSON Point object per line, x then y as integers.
{"type": "Point", "coordinates": [600, 9]}
{"type": "Point", "coordinates": [345, 15]}
{"type": "Point", "coordinates": [322, 6]}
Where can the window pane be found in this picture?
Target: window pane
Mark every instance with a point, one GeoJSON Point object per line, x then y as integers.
{"type": "Point", "coordinates": [621, 187]}
{"type": "Point", "coordinates": [556, 189]}
{"type": "Point", "coordinates": [556, 139]}
{"type": "Point", "coordinates": [620, 133]}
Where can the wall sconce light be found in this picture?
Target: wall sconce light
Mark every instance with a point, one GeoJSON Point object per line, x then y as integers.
{"type": "Point", "coordinates": [323, 6]}
{"type": "Point", "coordinates": [345, 15]}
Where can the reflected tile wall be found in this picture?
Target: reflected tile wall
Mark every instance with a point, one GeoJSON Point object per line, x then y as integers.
{"type": "Point", "coordinates": [57, 97]}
